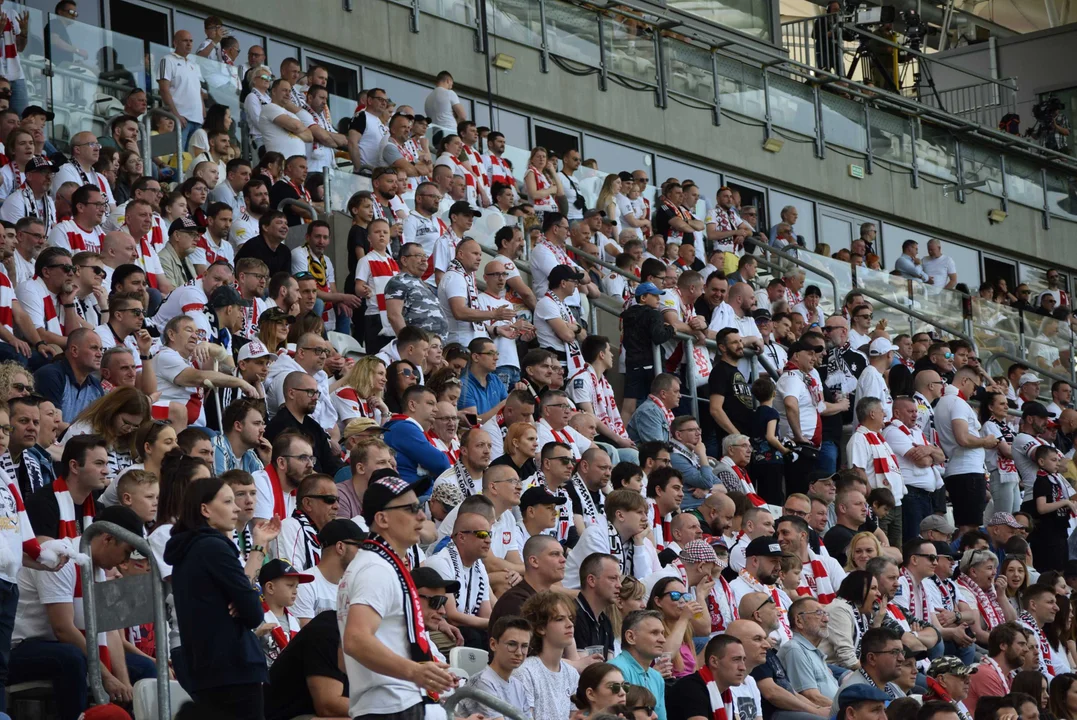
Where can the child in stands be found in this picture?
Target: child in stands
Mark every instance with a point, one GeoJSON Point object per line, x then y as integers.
{"type": "Point", "coordinates": [280, 584]}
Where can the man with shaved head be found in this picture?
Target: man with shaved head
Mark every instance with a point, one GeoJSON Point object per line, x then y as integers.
{"type": "Point", "coordinates": [585, 488]}
{"type": "Point", "coordinates": [301, 396]}
{"type": "Point", "coordinates": [716, 514]}
{"type": "Point", "coordinates": [683, 528]}
{"type": "Point", "coordinates": [736, 313]}
{"type": "Point", "coordinates": [179, 81]}
{"type": "Point", "coordinates": [311, 352]}
{"type": "Point", "coordinates": [544, 567]}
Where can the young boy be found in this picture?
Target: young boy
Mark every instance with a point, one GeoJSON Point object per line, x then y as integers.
{"type": "Point", "coordinates": [139, 490]}
{"type": "Point", "coordinates": [280, 583]}
{"type": "Point", "coordinates": [789, 579]}
{"type": "Point", "coordinates": [242, 484]}
{"type": "Point", "coordinates": [1054, 510]}
{"type": "Point", "coordinates": [881, 501]}
{"type": "Point", "coordinates": [768, 456]}
{"type": "Point", "coordinates": [510, 638]}
{"type": "Point", "coordinates": [549, 680]}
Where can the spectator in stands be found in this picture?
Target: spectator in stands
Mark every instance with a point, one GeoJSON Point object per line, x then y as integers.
{"type": "Point", "coordinates": [940, 269]}
{"type": "Point", "coordinates": [70, 382]}
{"type": "Point", "coordinates": [247, 224]}
{"type": "Point", "coordinates": [651, 420]}
{"type": "Point", "coordinates": [178, 254]}
{"type": "Point", "coordinates": [316, 505]}
{"type": "Point", "coordinates": [482, 392]}
{"type": "Point", "coordinates": [281, 128]}
{"type": "Point", "coordinates": [643, 640]}
{"type": "Point", "coordinates": [367, 131]}
{"type": "Point", "coordinates": [442, 105]}
{"type": "Point", "coordinates": [229, 190]}
{"type": "Point", "coordinates": [1007, 648]}
{"type": "Point", "coordinates": [290, 186]}
{"type": "Point", "coordinates": [919, 461]}
{"type": "Point", "coordinates": [406, 435]}
{"type": "Point", "coordinates": [458, 296]}
{"type": "Point", "coordinates": [179, 81]}
{"type": "Point", "coordinates": [49, 298]}
{"type": "Point", "coordinates": [300, 393]}
{"type": "Point", "coordinates": [961, 439]}
{"type": "Point", "coordinates": [268, 246]}
{"type": "Point", "coordinates": [241, 443]}
{"type": "Point", "coordinates": [908, 264]}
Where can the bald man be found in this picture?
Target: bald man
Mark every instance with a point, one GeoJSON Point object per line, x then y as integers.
{"type": "Point", "coordinates": [179, 82]}
{"type": "Point", "coordinates": [85, 151]}
{"type": "Point", "coordinates": [683, 528]}
{"type": "Point", "coordinates": [716, 514]}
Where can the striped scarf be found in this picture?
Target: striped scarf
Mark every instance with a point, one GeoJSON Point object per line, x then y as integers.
{"type": "Point", "coordinates": [546, 204]}
{"type": "Point", "coordinates": [1047, 666]}
{"type": "Point", "coordinates": [418, 640]}
{"type": "Point", "coordinates": [312, 548]}
{"type": "Point", "coordinates": [721, 607]}
{"type": "Point", "coordinates": [986, 602]}
{"type": "Point", "coordinates": [591, 512]}
{"type": "Point", "coordinates": [783, 616]}
{"type": "Point", "coordinates": [625, 559]}
{"type": "Point", "coordinates": [30, 545]}
{"type": "Point", "coordinates": [815, 581]}
{"type": "Point", "coordinates": [884, 465]}
{"type": "Point", "coordinates": [7, 297]}
{"type": "Point", "coordinates": [472, 290]}
{"type": "Point", "coordinates": [723, 706]}
{"type": "Point", "coordinates": [573, 355]}
{"type": "Point", "coordinates": [659, 524]}
{"type": "Point", "coordinates": [918, 607]}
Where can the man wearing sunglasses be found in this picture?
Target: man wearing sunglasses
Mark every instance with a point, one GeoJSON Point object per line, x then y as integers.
{"type": "Point", "coordinates": [124, 327]}
{"type": "Point", "coordinates": [316, 506]}
{"type": "Point", "coordinates": [49, 298]}
{"type": "Point", "coordinates": [462, 560]}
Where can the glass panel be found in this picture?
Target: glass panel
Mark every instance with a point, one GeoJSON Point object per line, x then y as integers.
{"type": "Point", "coordinates": [792, 105]}
{"type": "Point", "coordinates": [222, 83]}
{"type": "Point", "coordinates": [516, 20]}
{"type": "Point", "coordinates": [1024, 183]}
{"type": "Point", "coordinates": [32, 58]}
{"type": "Point", "coordinates": [340, 186]}
{"type": "Point", "coordinates": [630, 50]}
{"type": "Point", "coordinates": [1062, 194]}
{"type": "Point", "coordinates": [935, 152]}
{"type": "Point", "coordinates": [690, 71]}
{"type": "Point", "coordinates": [741, 87]}
{"type": "Point", "coordinates": [93, 70]}
{"type": "Point", "coordinates": [981, 163]}
{"type": "Point", "coordinates": [896, 290]}
{"type": "Point", "coordinates": [843, 122]}
{"type": "Point", "coordinates": [459, 11]}
{"type": "Point", "coordinates": [891, 137]}
{"type": "Point", "coordinates": [995, 328]}
{"type": "Point", "coordinates": [572, 33]}
{"type": "Point", "coordinates": [751, 17]}
{"type": "Point", "coordinates": [276, 52]}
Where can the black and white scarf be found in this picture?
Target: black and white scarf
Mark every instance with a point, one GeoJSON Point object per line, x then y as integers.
{"type": "Point", "coordinates": [244, 540]}
{"type": "Point", "coordinates": [590, 512]}
{"type": "Point", "coordinates": [464, 480]}
{"type": "Point", "coordinates": [472, 290]}
{"type": "Point", "coordinates": [687, 452]}
{"type": "Point", "coordinates": [573, 356]}
{"type": "Point", "coordinates": [476, 589]}
{"type": "Point", "coordinates": [27, 473]}
{"type": "Point", "coordinates": [564, 511]}
{"type": "Point", "coordinates": [886, 688]}
{"type": "Point", "coordinates": [625, 560]}
{"type": "Point", "coordinates": [418, 640]}
{"type": "Point", "coordinates": [312, 549]}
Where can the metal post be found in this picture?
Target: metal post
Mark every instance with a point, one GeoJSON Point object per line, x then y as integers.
{"type": "Point", "coordinates": [820, 138]}
{"type": "Point", "coordinates": [767, 127]}
{"type": "Point", "coordinates": [660, 98]}
{"type": "Point", "coordinates": [1046, 204]}
{"type": "Point", "coordinates": [693, 393]}
{"type": "Point", "coordinates": [960, 171]}
{"type": "Point", "coordinates": [717, 91]}
{"type": "Point", "coordinates": [414, 16]}
{"type": "Point", "coordinates": [603, 71]}
{"type": "Point", "coordinates": [1021, 334]}
{"type": "Point", "coordinates": [544, 56]}
{"type": "Point", "coordinates": [867, 137]}
{"type": "Point", "coordinates": [912, 150]}
{"type": "Point", "coordinates": [327, 179]}
{"type": "Point", "coordinates": [658, 359]}
{"type": "Point", "coordinates": [1005, 185]}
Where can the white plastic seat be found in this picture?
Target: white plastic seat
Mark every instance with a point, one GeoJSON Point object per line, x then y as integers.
{"type": "Point", "coordinates": [145, 699]}
{"type": "Point", "coordinates": [346, 345]}
{"type": "Point", "coordinates": [469, 660]}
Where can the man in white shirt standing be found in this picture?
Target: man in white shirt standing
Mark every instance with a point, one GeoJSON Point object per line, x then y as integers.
{"type": "Point", "coordinates": [282, 130]}
{"type": "Point", "coordinates": [442, 105]}
{"type": "Point", "coordinates": [959, 435]}
{"type": "Point", "coordinates": [919, 461]}
{"type": "Point", "coordinates": [458, 295]}
{"type": "Point", "coordinates": [576, 204]}
{"type": "Point", "coordinates": [940, 269]}
{"type": "Point", "coordinates": [868, 451]}
{"type": "Point", "coordinates": [367, 132]}
{"type": "Point", "coordinates": [180, 82]}
{"type": "Point", "coordinates": [736, 313]}
{"type": "Point", "coordinates": [872, 382]}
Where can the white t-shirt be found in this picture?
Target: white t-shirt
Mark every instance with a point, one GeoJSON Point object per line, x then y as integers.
{"type": "Point", "coordinates": [746, 697]}
{"type": "Point", "coordinates": [792, 384]}
{"type": "Point", "coordinates": [548, 692]}
{"type": "Point", "coordinates": [277, 138]}
{"type": "Point", "coordinates": [574, 438]}
{"type": "Point", "coordinates": [11, 529]}
{"type": "Point", "coordinates": [505, 533]}
{"type": "Point", "coordinates": [244, 227]}
{"type": "Point", "coordinates": [438, 107]}
{"type": "Point", "coordinates": [574, 213]}
{"type": "Point", "coordinates": [314, 597]}
{"type": "Point", "coordinates": [872, 384]}
{"type": "Point", "coordinates": [474, 581]}
{"type": "Point", "coordinates": [961, 460]}
{"type": "Point", "coordinates": [546, 309]}
{"type": "Point", "coordinates": [168, 365]}
{"type": "Point", "coordinates": [453, 285]}
{"type": "Point", "coordinates": [939, 269]}
{"type": "Point", "coordinates": [185, 85]}
{"type": "Point", "coordinates": [506, 347]}
{"type": "Point", "coordinates": [38, 588]}
{"type": "Point", "coordinates": [626, 207]}
{"type": "Point", "coordinates": [422, 230]}
{"type": "Point", "coordinates": [372, 581]}
{"type": "Point", "coordinates": [542, 262]}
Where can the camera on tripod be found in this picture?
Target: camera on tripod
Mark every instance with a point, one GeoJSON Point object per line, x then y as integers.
{"type": "Point", "coordinates": [1045, 110]}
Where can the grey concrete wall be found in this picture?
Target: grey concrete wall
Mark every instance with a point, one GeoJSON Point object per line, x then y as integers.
{"type": "Point", "coordinates": [379, 33]}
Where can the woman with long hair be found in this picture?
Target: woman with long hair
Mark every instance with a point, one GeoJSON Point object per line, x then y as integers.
{"type": "Point", "coordinates": [108, 165]}
{"type": "Point", "coordinates": [273, 327]}
{"type": "Point", "coordinates": [445, 384]}
{"type": "Point", "coordinates": [1059, 631]}
{"type": "Point", "coordinates": [1016, 574]}
{"type": "Point", "coordinates": [131, 169]}
{"type": "Point", "coordinates": [308, 323]}
{"type": "Point", "coordinates": [115, 417]}
{"type": "Point", "coordinates": [851, 615]}
{"type": "Point", "coordinates": [19, 144]}
{"type": "Point", "coordinates": [607, 199]}
{"type": "Point", "coordinates": [863, 547]}
{"type": "Point", "coordinates": [400, 375]}
{"type": "Point", "coordinates": [630, 596]}
{"type": "Point", "coordinates": [520, 449]}
{"type": "Point", "coordinates": [218, 118]}
{"type": "Point", "coordinates": [601, 685]}
{"type": "Point", "coordinates": [1062, 696]}
{"type": "Point", "coordinates": [669, 596]}
{"type": "Point", "coordinates": [196, 192]}
{"type": "Point", "coordinates": [434, 360]}
{"type": "Point", "coordinates": [359, 393]}
{"type": "Point", "coordinates": [270, 167]}
{"type": "Point", "coordinates": [217, 607]}
{"type": "Point", "coordinates": [541, 190]}
{"type": "Point", "coordinates": [1005, 482]}
{"type": "Point", "coordinates": [173, 206]}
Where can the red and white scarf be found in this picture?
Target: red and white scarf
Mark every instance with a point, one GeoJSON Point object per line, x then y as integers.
{"type": "Point", "coordinates": [1006, 465]}
{"type": "Point", "coordinates": [723, 706]}
{"type": "Point", "coordinates": [606, 403]}
{"type": "Point", "coordinates": [674, 235]}
{"type": "Point", "coordinates": [546, 204]}
{"type": "Point", "coordinates": [918, 606]}
{"type": "Point", "coordinates": [572, 349]}
{"type": "Point", "coordinates": [815, 581]}
{"type": "Point", "coordinates": [477, 167]}
{"type": "Point", "coordinates": [559, 253]}
{"type": "Point", "coordinates": [7, 296]}
{"type": "Point", "coordinates": [300, 190]}
{"type": "Point", "coordinates": [452, 452]}
{"type": "Point", "coordinates": [280, 508]}
{"type": "Point", "coordinates": [69, 529]}
{"type": "Point", "coordinates": [1061, 490]}
{"type": "Point", "coordinates": [407, 152]}
{"type": "Point", "coordinates": [1004, 677]}
{"type": "Point", "coordinates": [499, 172]}
{"type": "Point", "coordinates": [986, 602]}
{"type": "Point", "coordinates": [815, 389]}
{"type": "Point", "coordinates": [724, 221]}
{"type": "Point", "coordinates": [472, 291]}
{"type": "Point", "coordinates": [1047, 666]}
{"type": "Point", "coordinates": [281, 635]}
{"type": "Point", "coordinates": [746, 485]}
{"type": "Point", "coordinates": [30, 545]}
{"type": "Point", "coordinates": [884, 465]}
{"type": "Point", "coordinates": [470, 181]}
{"type": "Point", "coordinates": [661, 406]}
{"type": "Point", "coordinates": [659, 523]}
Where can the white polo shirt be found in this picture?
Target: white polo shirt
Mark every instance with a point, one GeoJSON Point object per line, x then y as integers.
{"type": "Point", "coordinates": [185, 84]}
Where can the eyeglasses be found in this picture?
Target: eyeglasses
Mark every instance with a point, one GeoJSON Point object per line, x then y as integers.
{"type": "Point", "coordinates": [452, 419]}
{"type": "Point", "coordinates": [818, 349]}
{"type": "Point", "coordinates": [514, 647]}
{"type": "Point", "coordinates": [312, 393]}
{"type": "Point", "coordinates": [99, 272]}
{"type": "Point", "coordinates": [898, 653]}
{"type": "Point", "coordinates": [66, 268]}
{"type": "Point", "coordinates": [412, 508]}
{"type": "Point", "coordinates": [558, 405]}
{"type": "Point", "coordinates": [495, 353]}
{"type": "Point", "coordinates": [93, 145]}
{"type": "Point", "coordinates": [617, 687]}
{"type": "Point", "coordinates": [320, 352]}
{"type": "Point", "coordinates": [817, 613]}
{"type": "Point", "coordinates": [864, 317]}
{"type": "Point", "coordinates": [436, 601]}
{"type": "Point", "coordinates": [6, 429]}
{"type": "Point", "coordinates": [931, 557]}
{"type": "Point", "coordinates": [497, 274]}
{"type": "Point", "coordinates": [676, 595]}
{"type": "Point", "coordinates": [515, 481]}
{"type": "Point", "coordinates": [794, 513]}
{"type": "Point", "coordinates": [305, 459]}
{"type": "Point", "coordinates": [414, 255]}
{"type": "Point", "coordinates": [138, 312]}
{"type": "Point", "coordinates": [480, 534]}
{"type": "Point", "coordinates": [406, 372]}
{"type": "Point", "coordinates": [34, 235]}
{"type": "Point", "coordinates": [327, 499]}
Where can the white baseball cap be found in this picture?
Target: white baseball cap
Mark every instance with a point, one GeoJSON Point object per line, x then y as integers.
{"type": "Point", "coordinates": [1028, 378]}
{"type": "Point", "coordinates": [881, 346]}
{"type": "Point", "coordinates": [255, 349]}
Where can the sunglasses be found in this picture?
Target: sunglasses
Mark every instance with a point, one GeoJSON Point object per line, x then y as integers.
{"type": "Point", "coordinates": [66, 268]}
{"type": "Point", "coordinates": [649, 709]}
{"type": "Point", "coordinates": [406, 372]}
{"type": "Point", "coordinates": [563, 459]}
{"type": "Point", "coordinates": [436, 601]}
{"type": "Point", "coordinates": [617, 687]}
{"type": "Point", "coordinates": [676, 595]}
{"type": "Point", "coordinates": [20, 387]}
{"type": "Point", "coordinates": [931, 557]}
{"type": "Point", "coordinates": [138, 312]}
{"type": "Point", "coordinates": [412, 508]}
{"type": "Point", "coordinates": [327, 499]}
{"type": "Point", "coordinates": [480, 534]}
{"type": "Point", "coordinates": [99, 272]}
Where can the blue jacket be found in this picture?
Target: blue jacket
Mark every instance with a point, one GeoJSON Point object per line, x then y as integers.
{"type": "Point", "coordinates": [413, 450]}
{"type": "Point", "coordinates": [701, 479]}
{"type": "Point", "coordinates": [218, 649]}
{"type": "Point", "coordinates": [56, 382]}
{"type": "Point", "coordinates": [648, 423]}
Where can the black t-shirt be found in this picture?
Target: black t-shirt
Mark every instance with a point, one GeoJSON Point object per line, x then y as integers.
{"type": "Point", "coordinates": [728, 381]}
{"type": "Point", "coordinates": [761, 418]}
{"type": "Point", "coordinates": [688, 698]}
{"type": "Point", "coordinates": [703, 308]}
{"type": "Point", "coordinates": [662, 216]}
{"type": "Point", "coordinates": [1053, 524]}
{"type": "Point", "coordinates": [357, 238]}
{"type": "Point", "coordinates": [588, 632]}
{"type": "Point", "coordinates": [511, 602]}
{"type": "Point", "coordinates": [279, 260]}
{"type": "Point", "coordinates": [311, 653]}
{"type": "Point", "coordinates": [771, 669]}
{"type": "Point", "coordinates": [284, 191]}
{"type": "Point", "coordinates": [837, 542]}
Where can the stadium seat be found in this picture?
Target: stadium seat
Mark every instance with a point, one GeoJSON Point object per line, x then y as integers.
{"type": "Point", "coordinates": [469, 660]}
{"type": "Point", "coordinates": [346, 345]}
{"type": "Point", "coordinates": [30, 700]}
{"type": "Point", "coordinates": [145, 700]}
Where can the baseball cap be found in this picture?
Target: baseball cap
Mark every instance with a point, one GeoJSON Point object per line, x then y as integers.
{"type": "Point", "coordinates": [462, 207]}
{"type": "Point", "coordinates": [813, 290]}
{"type": "Point", "coordinates": [277, 569]}
{"type": "Point", "coordinates": [762, 315]}
{"type": "Point", "coordinates": [275, 314]}
{"type": "Point", "coordinates": [947, 664]}
{"type": "Point", "coordinates": [428, 577]}
{"type": "Point", "coordinates": [31, 110]}
{"type": "Point", "coordinates": [881, 346]}
{"type": "Point", "coordinates": [227, 296]}
{"type": "Point", "coordinates": [340, 530]}
{"type": "Point", "coordinates": [184, 223]}
{"type": "Point", "coordinates": [39, 164]}
{"type": "Point", "coordinates": [938, 523]}
{"type": "Point", "coordinates": [698, 551]}
{"type": "Point", "coordinates": [448, 495]}
{"type": "Point", "coordinates": [255, 349]}
{"type": "Point", "coordinates": [384, 490]}
{"type": "Point", "coordinates": [591, 212]}
{"type": "Point", "coordinates": [1033, 408]}
{"type": "Point", "coordinates": [944, 549]}
{"type": "Point", "coordinates": [1004, 518]}
{"type": "Point", "coordinates": [860, 692]}
{"type": "Point", "coordinates": [764, 546]}
{"type": "Point", "coordinates": [647, 288]}
{"type": "Point", "coordinates": [563, 272]}
{"type": "Point", "coordinates": [1029, 378]}
{"type": "Point", "coordinates": [360, 425]}
{"type": "Point", "coordinates": [539, 495]}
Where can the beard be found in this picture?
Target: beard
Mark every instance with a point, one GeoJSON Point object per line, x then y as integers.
{"type": "Point", "coordinates": [769, 579]}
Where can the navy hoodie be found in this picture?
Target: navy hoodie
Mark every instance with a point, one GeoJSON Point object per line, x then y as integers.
{"type": "Point", "coordinates": [219, 649]}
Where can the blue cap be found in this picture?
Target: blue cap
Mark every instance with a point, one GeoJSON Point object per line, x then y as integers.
{"type": "Point", "coordinates": [860, 692]}
{"type": "Point", "coordinates": [647, 288]}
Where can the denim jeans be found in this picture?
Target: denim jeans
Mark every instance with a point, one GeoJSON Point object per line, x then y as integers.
{"type": "Point", "coordinates": [828, 457]}
{"type": "Point", "coordinates": [1006, 497]}
{"type": "Point", "coordinates": [915, 506]}
{"type": "Point", "coordinates": [9, 602]}
{"type": "Point", "coordinates": [61, 663]}
{"type": "Point", "coordinates": [190, 130]}
{"type": "Point", "coordinates": [140, 667]}
{"type": "Point", "coordinates": [509, 374]}
{"type": "Point", "coordinates": [966, 654]}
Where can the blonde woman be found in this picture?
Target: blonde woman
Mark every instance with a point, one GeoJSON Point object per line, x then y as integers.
{"type": "Point", "coordinates": [607, 199]}
{"type": "Point", "coordinates": [630, 597]}
{"type": "Point", "coordinates": [541, 190]}
{"type": "Point", "coordinates": [116, 417]}
{"type": "Point", "coordinates": [361, 392]}
{"type": "Point", "coordinates": [863, 547]}
{"type": "Point", "coordinates": [15, 381]}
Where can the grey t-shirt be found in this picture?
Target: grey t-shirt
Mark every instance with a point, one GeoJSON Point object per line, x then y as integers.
{"type": "Point", "coordinates": [438, 107]}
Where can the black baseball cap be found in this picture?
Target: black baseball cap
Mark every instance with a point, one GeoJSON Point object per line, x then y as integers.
{"type": "Point", "coordinates": [40, 164]}
{"type": "Point", "coordinates": [383, 489]}
{"type": "Point", "coordinates": [763, 546]}
{"type": "Point", "coordinates": [944, 549]}
{"type": "Point", "coordinates": [761, 315]}
{"type": "Point", "coordinates": [563, 272]}
{"type": "Point", "coordinates": [277, 569]}
{"type": "Point", "coordinates": [340, 530]}
{"type": "Point", "coordinates": [1034, 409]}
{"type": "Point", "coordinates": [428, 577]}
{"type": "Point", "coordinates": [31, 110]}
{"type": "Point", "coordinates": [539, 495]}
{"type": "Point", "coordinates": [462, 207]}
{"type": "Point", "coordinates": [226, 296]}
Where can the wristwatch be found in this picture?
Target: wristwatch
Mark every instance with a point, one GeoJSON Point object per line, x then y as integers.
{"type": "Point", "coordinates": [69, 305]}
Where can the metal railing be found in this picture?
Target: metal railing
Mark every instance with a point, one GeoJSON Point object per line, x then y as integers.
{"type": "Point", "coordinates": [984, 102]}
{"type": "Point", "coordinates": [494, 703]}
{"type": "Point", "coordinates": [123, 603]}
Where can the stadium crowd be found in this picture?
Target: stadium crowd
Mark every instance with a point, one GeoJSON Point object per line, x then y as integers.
{"type": "Point", "coordinates": [848, 522]}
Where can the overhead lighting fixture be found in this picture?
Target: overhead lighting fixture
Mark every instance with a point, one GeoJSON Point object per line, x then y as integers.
{"type": "Point", "coordinates": [996, 216]}
{"type": "Point", "coordinates": [504, 62]}
{"type": "Point", "coordinates": [773, 145]}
